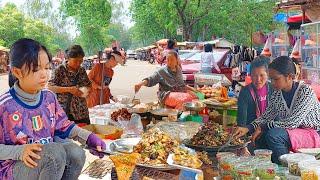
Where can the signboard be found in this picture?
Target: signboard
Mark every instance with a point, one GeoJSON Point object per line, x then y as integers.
{"type": "Point", "coordinates": [180, 30]}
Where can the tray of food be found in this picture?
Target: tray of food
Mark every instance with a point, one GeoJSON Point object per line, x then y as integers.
{"type": "Point", "coordinates": [99, 168]}
{"type": "Point", "coordinates": [154, 148]}
{"type": "Point", "coordinates": [211, 137]}
{"type": "Point", "coordinates": [220, 102]}
{"type": "Point", "coordinates": [185, 159]}
{"type": "Point", "coordinates": [164, 112]}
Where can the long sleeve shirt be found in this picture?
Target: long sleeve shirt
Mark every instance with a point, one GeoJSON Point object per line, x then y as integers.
{"type": "Point", "coordinates": [27, 120]}
{"type": "Point", "coordinates": [168, 81]}
{"type": "Point", "coordinates": [247, 106]}
{"type": "Point", "coordinates": [304, 111]}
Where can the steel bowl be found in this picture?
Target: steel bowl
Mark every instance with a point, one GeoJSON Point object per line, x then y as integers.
{"type": "Point", "coordinates": [194, 106]}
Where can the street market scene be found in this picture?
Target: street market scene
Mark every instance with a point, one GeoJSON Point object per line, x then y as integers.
{"type": "Point", "coordinates": [157, 90]}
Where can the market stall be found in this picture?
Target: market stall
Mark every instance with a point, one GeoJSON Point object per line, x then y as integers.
{"type": "Point", "coordinates": [4, 59]}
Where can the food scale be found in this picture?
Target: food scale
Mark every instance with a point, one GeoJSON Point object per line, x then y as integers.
{"type": "Point", "coordinates": [194, 108]}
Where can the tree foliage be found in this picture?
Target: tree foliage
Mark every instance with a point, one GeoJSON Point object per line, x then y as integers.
{"type": "Point", "coordinates": [92, 17]}
{"type": "Point", "coordinates": [201, 19]}
{"type": "Point", "coordinates": [16, 25]}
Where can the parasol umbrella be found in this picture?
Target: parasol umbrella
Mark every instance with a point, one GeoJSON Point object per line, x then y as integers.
{"type": "Point", "coordinates": [267, 48]}
{"type": "Point", "coordinates": [296, 50]}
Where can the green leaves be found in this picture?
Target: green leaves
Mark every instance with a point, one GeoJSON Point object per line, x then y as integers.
{"type": "Point", "coordinates": [15, 25]}
{"type": "Point", "coordinates": [201, 19]}
{"type": "Point", "coordinates": [92, 17]}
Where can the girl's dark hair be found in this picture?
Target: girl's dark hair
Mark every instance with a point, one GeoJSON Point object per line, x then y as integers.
{"type": "Point", "coordinates": [208, 48]}
{"type": "Point", "coordinates": [259, 61]}
{"type": "Point", "coordinates": [25, 52]}
{"type": "Point", "coordinates": [171, 44]}
{"type": "Point", "coordinates": [75, 51]}
{"type": "Point", "coordinates": [284, 65]}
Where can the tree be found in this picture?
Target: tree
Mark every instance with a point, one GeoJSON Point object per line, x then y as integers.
{"type": "Point", "coordinates": [12, 22]}
{"type": "Point", "coordinates": [16, 25]}
{"type": "Point", "coordinates": [190, 13]}
{"type": "Point", "coordinates": [120, 33]}
{"type": "Point", "coordinates": [201, 19]}
{"type": "Point", "coordinates": [91, 17]}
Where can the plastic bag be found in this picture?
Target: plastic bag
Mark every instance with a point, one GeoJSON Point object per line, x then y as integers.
{"type": "Point", "coordinates": [177, 99]}
{"type": "Point", "coordinates": [132, 126]}
{"type": "Point", "coordinates": [178, 130]}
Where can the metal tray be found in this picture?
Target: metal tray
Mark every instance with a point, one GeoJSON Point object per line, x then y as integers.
{"type": "Point", "coordinates": [165, 112]}
{"type": "Point", "coordinates": [214, 148]}
{"type": "Point", "coordinates": [125, 142]}
{"type": "Point", "coordinates": [163, 167]}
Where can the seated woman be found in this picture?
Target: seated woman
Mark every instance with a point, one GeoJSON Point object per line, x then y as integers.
{"type": "Point", "coordinates": [170, 80]}
{"type": "Point", "coordinates": [66, 82]}
{"type": "Point", "coordinates": [252, 101]}
{"type": "Point", "coordinates": [96, 75]}
{"type": "Point", "coordinates": [253, 98]}
{"type": "Point", "coordinates": [295, 106]}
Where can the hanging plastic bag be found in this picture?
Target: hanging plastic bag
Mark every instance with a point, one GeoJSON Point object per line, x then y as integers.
{"type": "Point", "coordinates": [130, 127]}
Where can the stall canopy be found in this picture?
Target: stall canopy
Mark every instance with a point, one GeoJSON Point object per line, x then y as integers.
{"type": "Point", "coordinates": [220, 43]}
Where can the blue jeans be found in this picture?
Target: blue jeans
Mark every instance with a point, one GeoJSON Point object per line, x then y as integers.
{"type": "Point", "coordinates": [58, 161]}
{"type": "Point", "coordinates": [277, 140]}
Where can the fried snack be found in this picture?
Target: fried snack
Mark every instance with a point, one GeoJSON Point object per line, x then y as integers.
{"type": "Point", "coordinates": [212, 134]}
{"type": "Point", "coordinates": [125, 164]}
{"type": "Point", "coordinates": [203, 156]}
{"type": "Point", "coordinates": [155, 147]}
{"type": "Point", "coordinates": [184, 158]}
{"type": "Point", "coordinates": [121, 114]}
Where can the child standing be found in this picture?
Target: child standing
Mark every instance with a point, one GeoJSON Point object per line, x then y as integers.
{"type": "Point", "coordinates": [30, 117]}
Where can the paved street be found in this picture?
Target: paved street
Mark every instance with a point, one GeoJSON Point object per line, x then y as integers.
{"type": "Point", "coordinates": [123, 82]}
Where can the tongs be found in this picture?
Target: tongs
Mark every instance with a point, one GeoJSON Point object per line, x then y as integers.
{"type": "Point", "coordinates": [228, 143]}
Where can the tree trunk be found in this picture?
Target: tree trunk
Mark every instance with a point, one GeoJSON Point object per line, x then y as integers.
{"type": "Point", "coordinates": [187, 32]}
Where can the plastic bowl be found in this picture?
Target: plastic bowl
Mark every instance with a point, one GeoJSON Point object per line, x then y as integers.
{"type": "Point", "coordinates": [263, 154]}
